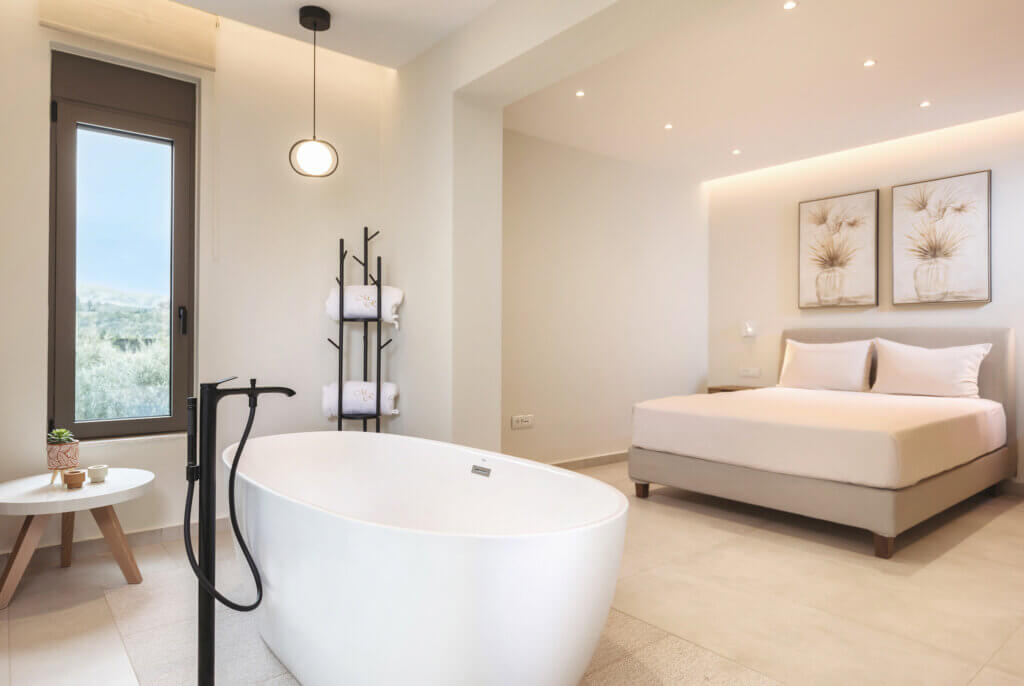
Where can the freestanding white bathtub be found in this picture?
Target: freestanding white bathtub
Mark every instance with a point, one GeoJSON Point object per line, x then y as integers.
{"type": "Point", "coordinates": [396, 560]}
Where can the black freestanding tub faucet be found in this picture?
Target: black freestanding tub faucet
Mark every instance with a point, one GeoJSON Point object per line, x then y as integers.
{"type": "Point", "coordinates": [205, 472]}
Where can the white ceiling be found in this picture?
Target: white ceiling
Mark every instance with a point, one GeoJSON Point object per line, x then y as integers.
{"type": "Point", "coordinates": [786, 85]}
{"type": "Point", "coordinates": [388, 32]}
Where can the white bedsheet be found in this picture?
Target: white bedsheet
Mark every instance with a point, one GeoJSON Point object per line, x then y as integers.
{"type": "Point", "coordinates": [871, 439]}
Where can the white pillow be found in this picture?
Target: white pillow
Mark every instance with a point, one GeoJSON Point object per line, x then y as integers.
{"type": "Point", "coordinates": [831, 366]}
{"type": "Point", "coordinates": [910, 370]}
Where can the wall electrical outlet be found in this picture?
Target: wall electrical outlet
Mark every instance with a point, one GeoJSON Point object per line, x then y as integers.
{"type": "Point", "coordinates": [522, 421]}
{"type": "Point", "coordinates": [750, 372]}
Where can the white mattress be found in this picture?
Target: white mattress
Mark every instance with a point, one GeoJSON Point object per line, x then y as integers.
{"type": "Point", "coordinates": [871, 439]}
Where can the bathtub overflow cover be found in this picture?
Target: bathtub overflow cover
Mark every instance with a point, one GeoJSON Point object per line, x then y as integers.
{"type": "Point", "coordinates": [481, 471]}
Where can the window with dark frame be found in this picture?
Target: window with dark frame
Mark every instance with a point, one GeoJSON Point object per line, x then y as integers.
{"type": "Point", "coordinates": [122, 186]}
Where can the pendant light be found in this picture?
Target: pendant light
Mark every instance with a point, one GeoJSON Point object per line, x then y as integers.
{"type": "Point", "coordinates": [312, 156]}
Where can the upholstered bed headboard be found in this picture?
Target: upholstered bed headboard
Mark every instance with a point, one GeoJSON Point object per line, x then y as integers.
{"type": "Point", "coordinates": [996, 381]}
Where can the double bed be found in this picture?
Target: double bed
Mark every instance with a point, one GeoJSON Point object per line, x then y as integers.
{"type": "Point", "coordinates": [871, 460]}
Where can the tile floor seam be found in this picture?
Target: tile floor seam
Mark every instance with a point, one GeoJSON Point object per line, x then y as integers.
{"type": "Point", "coordinates": [988, 662]}
{"type": "Point", "coordinates": [702, 647]}
{"type": "Point", "coordinates": [730, 540]}
{"type": "Point", "coordinates": [120, 635]}
{"type": "Point", "coordinates": [863, 624]}
{"type": "Point", "coordinates": [999, 563]}
{"type": "Point", "coordinates": [681, 559]}
{"type": "Point", "coordinates": [974, 677]}
{"type": "Point", "coordinates": [765, 527]}
{"type": "Point", "coordinates": [912, 639]}
{"type": "Point", "coordinates": [835, 615]}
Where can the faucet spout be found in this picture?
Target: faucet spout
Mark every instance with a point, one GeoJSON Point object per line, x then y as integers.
{"type": "Point", "coordinates": [274, 389]}
{"type": "Point", "coordinates": [255, 391]}
{"type": "Point", "coordinates": [252, 390]}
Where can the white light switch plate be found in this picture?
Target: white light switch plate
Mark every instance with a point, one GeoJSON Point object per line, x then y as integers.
{"type": "Point", "coordinates": [750, 372]}
{"type": "Point", "coordinates": [522, 421]}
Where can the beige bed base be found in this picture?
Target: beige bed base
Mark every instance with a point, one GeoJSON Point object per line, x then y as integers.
{"type": "Point", "coordinates": [884, 512]}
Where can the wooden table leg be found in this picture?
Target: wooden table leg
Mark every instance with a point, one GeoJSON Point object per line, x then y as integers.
{"type": "Point", "coordinates": [107, 520]}
{"type": "Point", "coordinates": [24, 546]}
{"type": "Point", "coordinates": [67, 535]}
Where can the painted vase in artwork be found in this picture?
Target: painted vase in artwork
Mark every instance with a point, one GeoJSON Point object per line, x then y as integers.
{"type": "Point", "coordinates": [829, 286]}
{"type": "Point", "coordinates": [832, 253]}
{"type": "Point", "coordinates": [61, 450]}
{"type": "Point", "coordinates": [931, 279]}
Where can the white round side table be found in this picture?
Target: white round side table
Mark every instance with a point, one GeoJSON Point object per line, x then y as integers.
{"type": "Point", "coordinates": [37, 500]}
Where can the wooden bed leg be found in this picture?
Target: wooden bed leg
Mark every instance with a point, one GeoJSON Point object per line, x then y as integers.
{"type": "Point", "coordinates": [642, 490]}
{"type": "Point", "coordinates": [884, 546]}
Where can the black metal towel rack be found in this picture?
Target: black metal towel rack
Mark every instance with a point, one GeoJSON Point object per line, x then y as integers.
{"type": "Point", "coordinates": [365, 321]}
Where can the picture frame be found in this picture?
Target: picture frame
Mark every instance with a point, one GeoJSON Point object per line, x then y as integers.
{"type": "Point", "coordinates": [838, 251]}
{"type": "Point", "coordinates": [942, 240]}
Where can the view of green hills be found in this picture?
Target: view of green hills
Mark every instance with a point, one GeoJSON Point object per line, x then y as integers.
{"type": "Point", "coordinates": [122, 354]}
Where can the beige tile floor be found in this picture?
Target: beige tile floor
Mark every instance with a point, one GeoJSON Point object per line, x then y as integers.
{"type": "Point", "coordinates": [710, 592]}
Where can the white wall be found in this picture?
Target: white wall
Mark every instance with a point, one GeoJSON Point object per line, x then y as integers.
{"type": "Point", "coordinates": [605, 296]}
{"type": "Point", "coordinates": [476, 269]}
{"type": "Point", "coordinates": [267, 238]}
{"type": "Point", "coordinates": [753, 241]}
{"type": "Point", "coordinates": [270, 254]}
{"type": "Point", "coordinates": [443, 185]}
{"type": "Point", "coordinates": [443, 189]}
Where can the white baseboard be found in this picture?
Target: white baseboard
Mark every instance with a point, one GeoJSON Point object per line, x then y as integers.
{"type": "Point", "coordinates": [578, 463]}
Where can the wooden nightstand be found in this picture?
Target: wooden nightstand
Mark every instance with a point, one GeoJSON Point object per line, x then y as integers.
{"type": "Point", "coordinates": [730, 389]}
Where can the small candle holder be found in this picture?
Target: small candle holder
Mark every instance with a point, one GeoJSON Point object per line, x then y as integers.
{"type": "Point", "coordinates": [74, 478]}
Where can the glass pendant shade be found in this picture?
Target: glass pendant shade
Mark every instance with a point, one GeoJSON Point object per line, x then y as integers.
{"type": "Point", "coordinates": [313, 157]}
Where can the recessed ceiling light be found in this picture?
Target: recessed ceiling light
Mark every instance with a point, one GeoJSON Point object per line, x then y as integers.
{"type": "Point", "coordinates": [869, 62]}
{"type": "Point", "coordinates": [789, 4]}
{"type": "Point", "coordinates": [736, 151]}
{"type": "Point", "coordinates": [926, 103]}
{"type": "Point", "coordinates": [580, 94]}
{"type": "Point", "coordinates": [668, 126]}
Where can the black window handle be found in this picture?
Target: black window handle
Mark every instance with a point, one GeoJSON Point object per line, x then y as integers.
{"type": "Point", "coordinates": [183, 319]}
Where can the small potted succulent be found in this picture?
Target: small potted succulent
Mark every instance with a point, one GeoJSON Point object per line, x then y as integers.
{"type": "Point", "coordinates": [61, 450]}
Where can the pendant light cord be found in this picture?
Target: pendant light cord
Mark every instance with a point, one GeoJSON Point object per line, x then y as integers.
{"type": "Point", "coordinates": [314, 83]}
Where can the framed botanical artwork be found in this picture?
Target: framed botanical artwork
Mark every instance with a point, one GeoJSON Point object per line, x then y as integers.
{"type": "Point", "coordinates": [942, 240]}
{"type": "Point", "coordinates": [839, 251]}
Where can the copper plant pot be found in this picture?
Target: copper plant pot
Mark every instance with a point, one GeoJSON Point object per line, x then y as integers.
{"type": "Point", "coordinates": [62, 455]}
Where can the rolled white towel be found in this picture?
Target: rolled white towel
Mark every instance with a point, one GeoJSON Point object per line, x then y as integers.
{"type": "Point", "coordinates": [359, 397]}
{"type": "Point", "coordinates": [361, 302]}
{"type": "Point", "coordinates": [392, 298]}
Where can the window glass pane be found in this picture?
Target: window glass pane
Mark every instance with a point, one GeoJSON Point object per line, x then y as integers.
{"type": "Point", "coordinates": [123, 276]}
